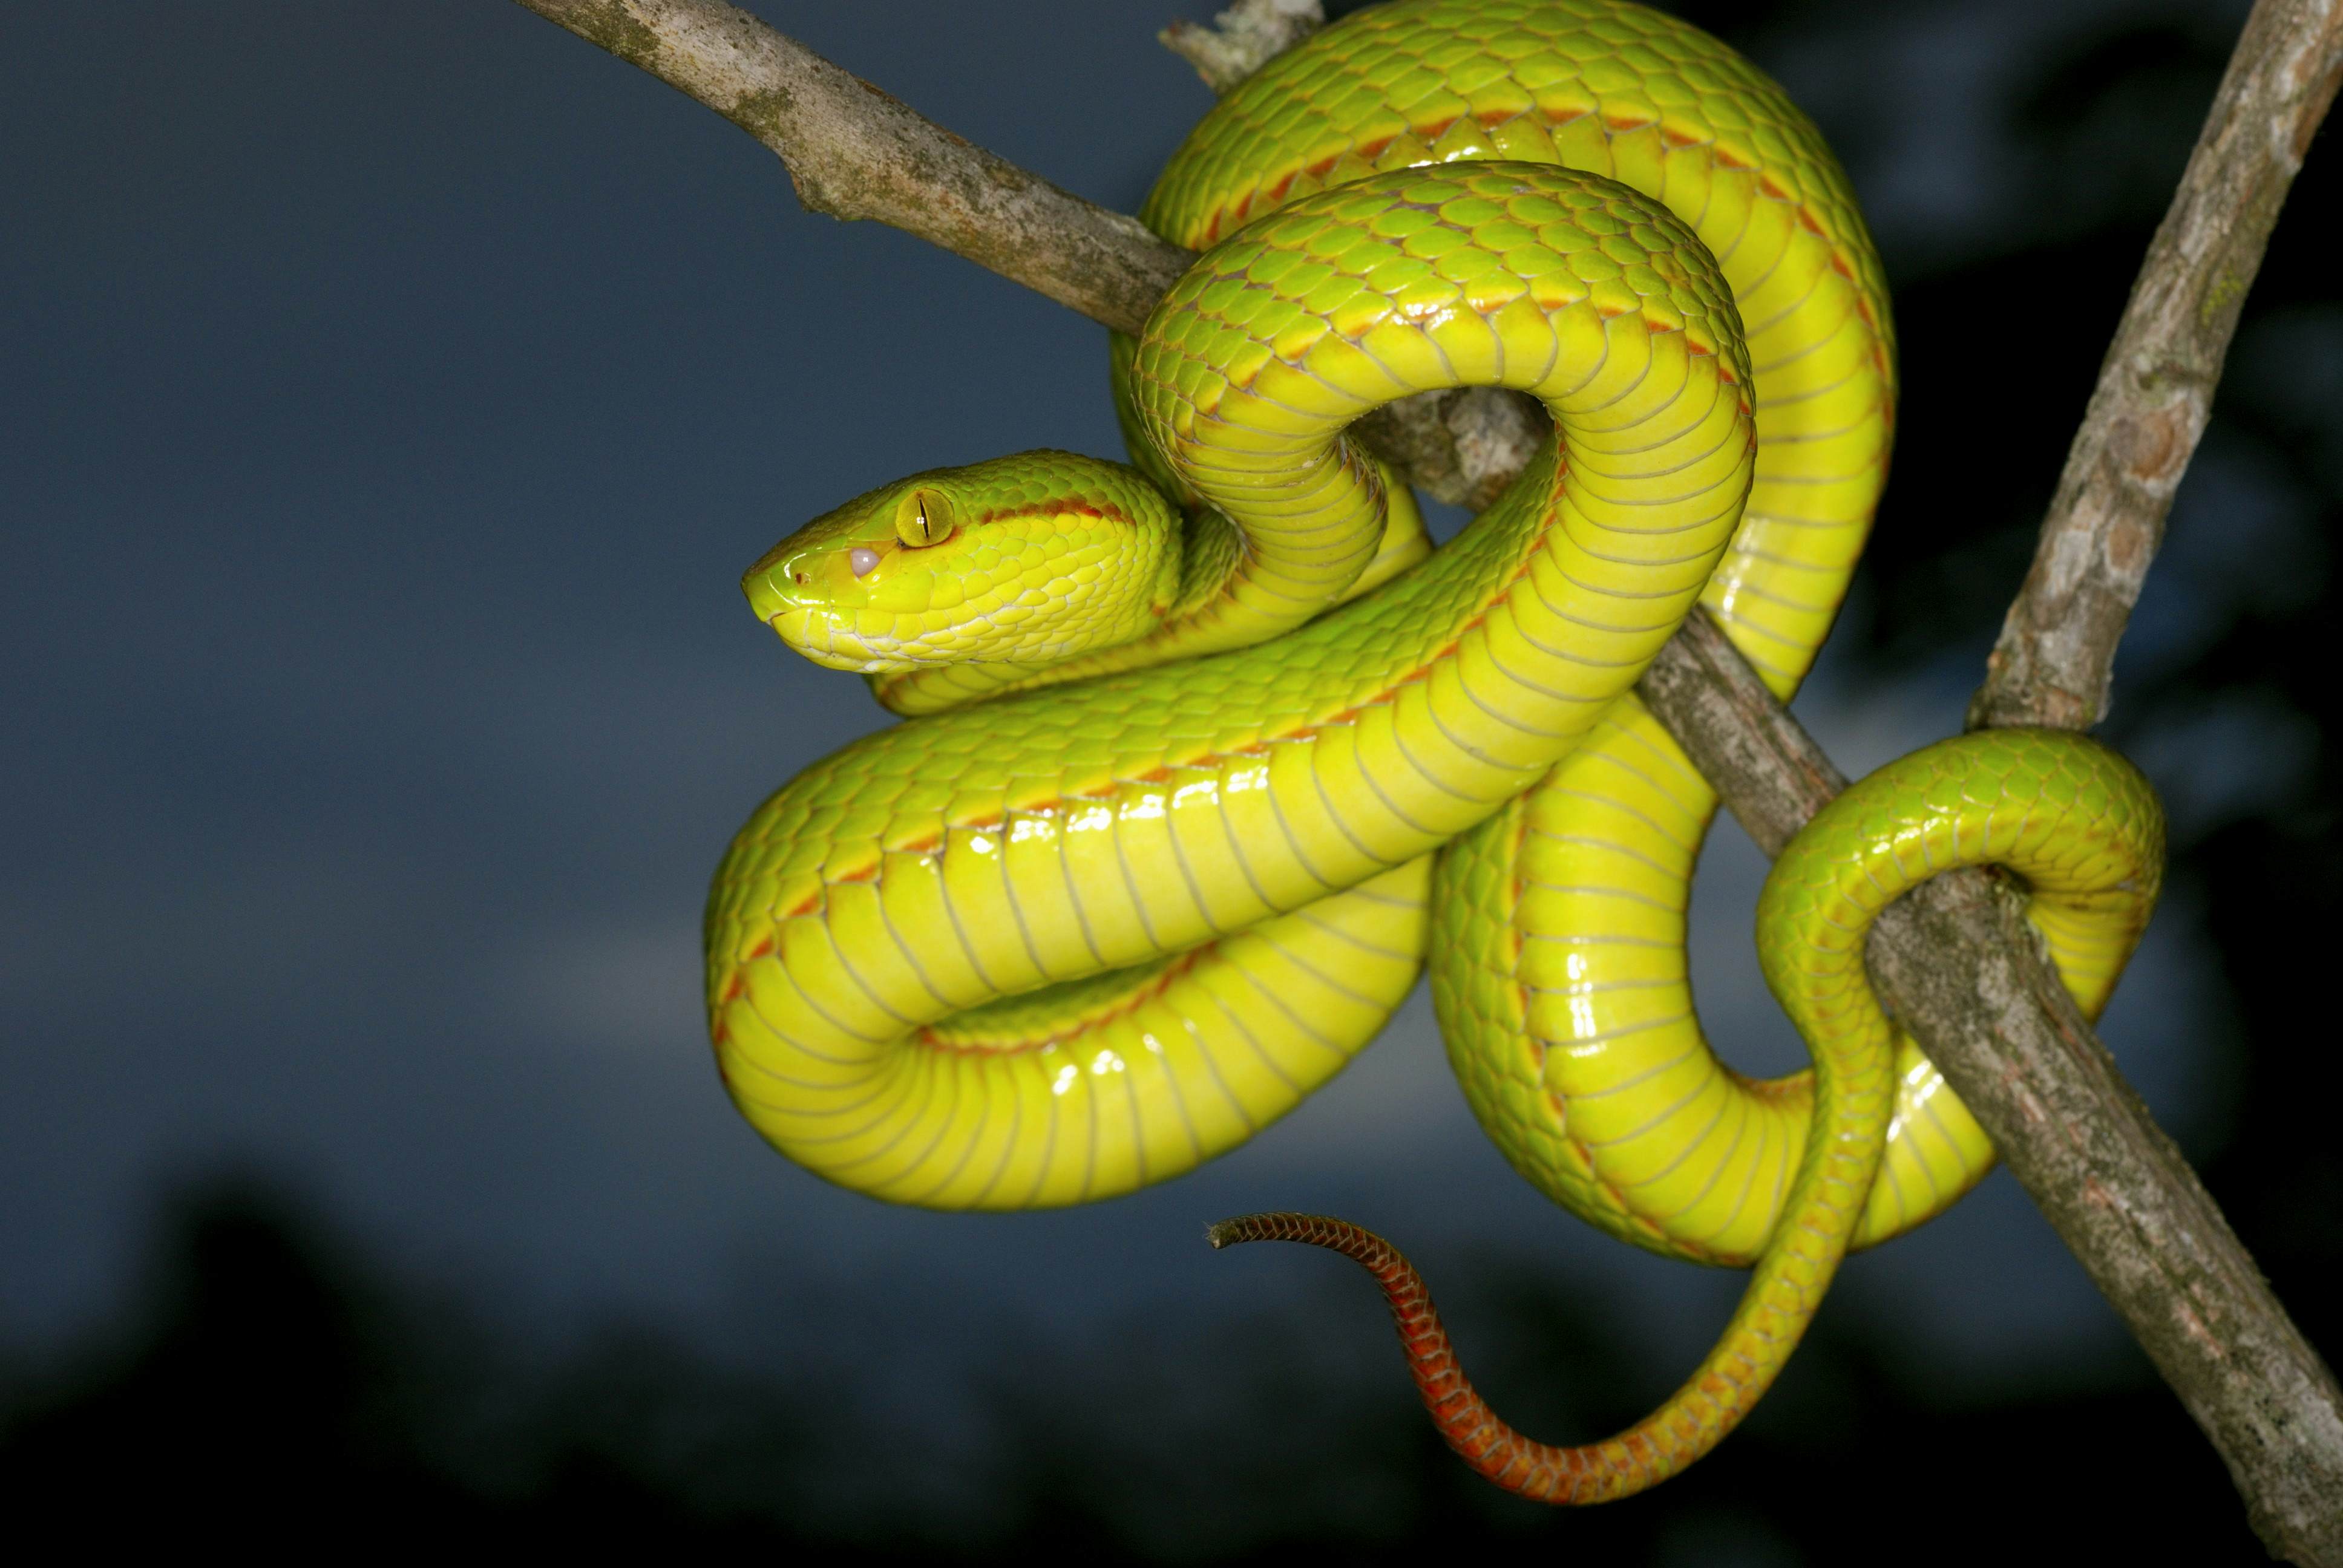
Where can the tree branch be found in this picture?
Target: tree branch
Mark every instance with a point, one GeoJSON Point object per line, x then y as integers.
{"type": "Point", "coordinates": [2054, 664]}
{"type": "Point", "coordinates": [854, 152]}
{"type": "Point", "coordinates": [1954, 960]}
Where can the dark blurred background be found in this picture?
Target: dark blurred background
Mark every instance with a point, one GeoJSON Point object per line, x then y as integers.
{"type": "Point", "coordinates": [394, 394]}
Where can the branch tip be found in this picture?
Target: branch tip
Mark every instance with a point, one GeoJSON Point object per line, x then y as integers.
{"type": "Point", "coordinates": [1242, 38]}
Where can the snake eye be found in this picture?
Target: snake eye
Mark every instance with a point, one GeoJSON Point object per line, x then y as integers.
{"type": "Point", "coordinates": [925, 517]}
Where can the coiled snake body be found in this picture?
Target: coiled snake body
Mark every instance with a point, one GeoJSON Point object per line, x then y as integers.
{"type": "Point", "coordinates": [1158, 857]}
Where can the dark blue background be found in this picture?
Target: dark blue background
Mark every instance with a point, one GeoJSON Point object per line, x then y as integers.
{"type": "Point", "coordinates": [393, 396]}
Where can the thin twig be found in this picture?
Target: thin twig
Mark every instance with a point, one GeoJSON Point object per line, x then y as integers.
{"type": "Point", "coordinates": [2054, 662]}
{"type": "Point", "coordinates": [1242, 38]}
{"type": "Point", "coordinates": [1955, 961]}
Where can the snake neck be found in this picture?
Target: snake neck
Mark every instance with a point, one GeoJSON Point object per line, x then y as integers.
{"type": "Point", "coordinates": [1209, 557]}
{"type": "Point", "coordinates": [1211, 560]}
{"type": "Point", "coordinates": [1357, 743]}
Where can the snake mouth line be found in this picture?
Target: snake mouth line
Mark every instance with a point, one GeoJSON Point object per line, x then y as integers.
{"type": "Point", "coordinates": [834, 647]}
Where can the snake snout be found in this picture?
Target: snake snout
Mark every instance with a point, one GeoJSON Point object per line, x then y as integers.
{"type": "Point", "coordinates": [784, 591]}
{"type": "Point", "coordinates": [775, 588]}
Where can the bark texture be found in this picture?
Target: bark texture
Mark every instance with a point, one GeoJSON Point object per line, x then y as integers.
{"type": "Point", "coordinates": [1954, 960]}
{"type": "Point", "coordinates": [854, 152]}
{"type": "Point", "coordinates": [1242, 38]}
{"type": "Point", "coordinates": [2055, 661]}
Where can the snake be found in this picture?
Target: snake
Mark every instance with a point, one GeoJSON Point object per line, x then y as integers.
{"type": "Point", "coordinates": [1207, 756]}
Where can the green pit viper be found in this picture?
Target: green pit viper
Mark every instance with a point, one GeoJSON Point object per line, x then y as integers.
{"type": "Point", "coordinates": [1208, 753]}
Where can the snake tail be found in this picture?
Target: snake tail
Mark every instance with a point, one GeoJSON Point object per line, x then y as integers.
{"type": "Point", "coordinates": [2076, 823]}
{"type": "Point", "coordinates": [1478, 1435]}
{"type": "Point", "coordinates": [1636, 1460]}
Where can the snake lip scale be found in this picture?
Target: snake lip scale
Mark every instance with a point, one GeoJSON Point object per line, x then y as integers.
{"type": "Point", "coordinates": [1209, 757]}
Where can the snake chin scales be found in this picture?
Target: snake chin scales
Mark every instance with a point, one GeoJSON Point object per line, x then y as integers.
{"type": "Point", "coordinates": [1209, 757]}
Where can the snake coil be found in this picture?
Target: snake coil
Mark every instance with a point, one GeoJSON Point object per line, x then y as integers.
{"type": "Point", "coordinates": [1210, 755]}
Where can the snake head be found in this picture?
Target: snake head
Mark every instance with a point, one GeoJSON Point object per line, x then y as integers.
{"type": "Point", "coordinates": [1024, 559]}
